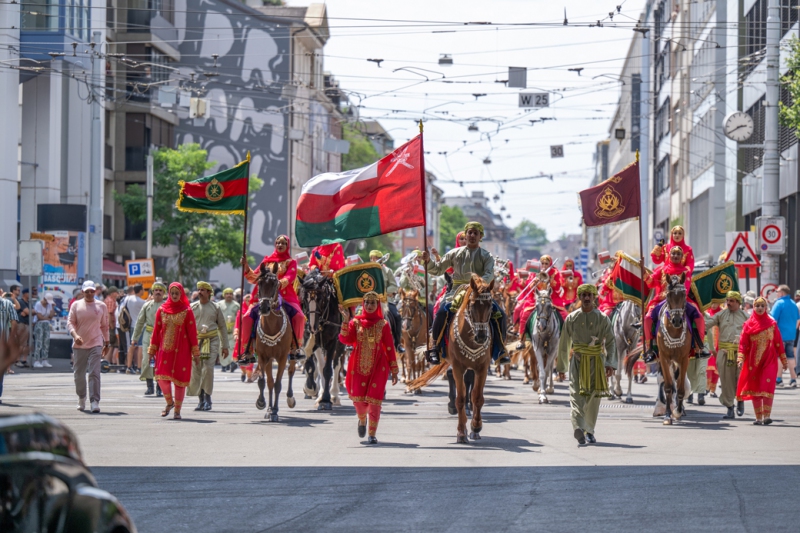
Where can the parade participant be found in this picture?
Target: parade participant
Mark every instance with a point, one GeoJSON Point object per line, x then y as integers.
{"type": "Point", "coordinates": [327, 257]}
{"type": "Point", "coordinates": [548, 277]}
{"type": "Point", "coordinates": [211, 334]}
{"type": "Point", "coordinates": [466, 261]}
{"type": "Point", "coordinates": [230, 310]}
{"type": "Point", "coordinates": [569, 264]}
{"type": "Point", "coordinates": [88, 325]}
{"type": "Point", "coordinates": [390, 283]}
{"type": "Point", "coordinates": [144, 329]}
{"type": "Point", "coordinates": [572, 280]}
{"type": "Point", "coordinates": [658, 281]}
{"type": "Point", "coordinates": [372, 359]}
{"type": "Point", "coordinates": [461, 240]}
{"type": "Point", "coordinates": [786, 315]}
{"type": "Point", "coordinates": [760, 347]}
{"type": "Point", "coordinates": [725, 329]}
{"type": "Point", "coordinates": [587, 332]}
{"type": "Point", "coordinates": [287, 273]}
{"type": "Point", "coordinates": [712, 374]}
{"type": "Point", "coordinates": [677, 238]}
{"type": "Point", "coordinates": [111, 304]}
{"type": "Point", "coordinates": [516, 279]}
{"type": "Point", "coordinates": [239, 347]}
{"type": "Point", "coordinates": [174, 346]}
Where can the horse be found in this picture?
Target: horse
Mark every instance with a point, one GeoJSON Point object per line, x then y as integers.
{"type": "Point", "coordinates": [626, 337]}
{"type": "Point", "coordinates": [674, 346]}
{"type": "Point", "coordinates": [321, 307]}
{"type": "Point", "coordinates": [273, 342]}
{"type": "Point", "coordinates": [414, 330]}
{"type": "Point", "coordinates": [544, 338]}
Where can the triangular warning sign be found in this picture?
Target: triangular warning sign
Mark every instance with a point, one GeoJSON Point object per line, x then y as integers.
{"type": "Point", "coordinates": [741, 253]}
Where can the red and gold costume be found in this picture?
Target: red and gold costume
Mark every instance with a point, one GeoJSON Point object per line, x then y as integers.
{"type": "Point", "coordinates": [607, 298]}
{"type": "Point", "coordinates": [370, 363]}
{"type": "Point", "coordinates": [327, 257]}
{"type": "Point", "coordinates": [174, 343]}
{"type": "Point", "coordinates": [287, 274]}
{"type": "Point", "coordinates": [571, 282]}
{"type": "Point", "coordinates": [760, 347]}
{"type": "Point", "coordinates": [460, 235]}
{"type": "Point", "coordinates": [239, 346]}
{"type": "Point", "coordinates": [660, 254]}
{"type": "Point", "coordinates": [660, 277]}
{"type": "Point", "coordinates": [528, 303]}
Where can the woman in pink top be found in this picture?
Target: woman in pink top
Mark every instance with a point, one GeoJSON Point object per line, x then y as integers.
{"type": "Point", "coordinates": [88, 325]}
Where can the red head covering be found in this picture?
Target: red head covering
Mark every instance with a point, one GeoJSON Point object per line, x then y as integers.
{"type": "Point", "coordinates": [674, 268]}
{"type": "Point", "coordinates": [172, 307]}
{"type": "Point", "coordinates": [511, 271]}
{"type": "Point", "coordinates": [681, 244]}
{"type": "Point", "coordinates": [458, 236]}
{"type": "Point", "coordinates": [369, 319]}
{"type": "Point", "coordinates": [569, 264]}
{"type": "Point", "coordinates": [276, 256]}
{"type": "Point", "coordinates": [757, 323]}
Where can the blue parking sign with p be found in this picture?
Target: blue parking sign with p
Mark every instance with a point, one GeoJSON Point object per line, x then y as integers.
{"type": "Point", "coordinates": [134, 270]}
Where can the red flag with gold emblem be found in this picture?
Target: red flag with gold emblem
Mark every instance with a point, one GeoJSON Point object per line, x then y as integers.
{"type": "Point", "coordinates": [615, 200]}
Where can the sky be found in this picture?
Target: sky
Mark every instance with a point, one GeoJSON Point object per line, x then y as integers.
{"type": "Point", "coordinates": [411, 35]}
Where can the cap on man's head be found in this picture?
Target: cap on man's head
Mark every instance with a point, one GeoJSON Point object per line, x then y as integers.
{"type": "Point", "coordinates": [88, 285]}
{"type": "Point", "coordinates": [49, 297]}
{"type": "Point", "coordinates": [25, 291]}
{"type": "Point", "coordinates": [112, 289]}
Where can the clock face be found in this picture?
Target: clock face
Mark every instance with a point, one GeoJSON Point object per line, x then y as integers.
{"type": "Point", "coordinates": [738, 126]}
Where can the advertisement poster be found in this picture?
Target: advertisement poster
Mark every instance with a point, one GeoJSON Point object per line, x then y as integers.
{"type": "Point", "coordinates": [64, 272]}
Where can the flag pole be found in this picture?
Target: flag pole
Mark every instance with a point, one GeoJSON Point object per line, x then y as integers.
{"type": "Point", "coordinates": [424, 229]}
{"type": "Point", "coordinates": [244, 251]}
{"type": "Point", "coordinates": [641, 240]}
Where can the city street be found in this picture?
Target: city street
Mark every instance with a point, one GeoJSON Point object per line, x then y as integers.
{"type": "Point", "coordinates": [230, 470]}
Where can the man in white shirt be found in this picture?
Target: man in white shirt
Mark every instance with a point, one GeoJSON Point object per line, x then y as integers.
{"type": "Point", "coordinates": [88, 326]}
{"type": "Point", "coordinates": [134, 303]}
{"type": "Point", "coordinates": [43, 312]}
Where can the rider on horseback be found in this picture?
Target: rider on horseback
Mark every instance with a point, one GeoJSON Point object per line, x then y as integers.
{"type": "Point", "coordinates": [466, 260]}
{"type": "Point", "coordinates": [390, 283]}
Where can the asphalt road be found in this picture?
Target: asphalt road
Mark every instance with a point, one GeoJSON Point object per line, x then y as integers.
{"type": "Point", "coordinates": [230, 470]}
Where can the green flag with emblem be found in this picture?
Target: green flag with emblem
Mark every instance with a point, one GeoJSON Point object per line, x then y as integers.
{"type": "Point", "coordinates": [712, 286]}
{"type": "Point", "coordinates": [353, 282]}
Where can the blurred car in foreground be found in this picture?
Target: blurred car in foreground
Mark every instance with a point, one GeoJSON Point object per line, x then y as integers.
{"type": "Point", "coordinates": [46, 487]}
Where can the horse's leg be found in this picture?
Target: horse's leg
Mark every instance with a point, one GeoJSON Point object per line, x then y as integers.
{"type": "Point", "coordinates": [666, 373]}
{"type": "Point", "coordinates": [336, 364]}
{"type": "Point", "coordinates": [290, 401]}
{"type": "Point", "coordinates": [461, 401]}
{"type": "Point", "coordinates": [681, 386]}
{"type": "Point", "coordinates": [629, 397]}
{"type": "Point", "coordinates": [550, 355]}
{"type": "Point", "coordinates": [477, 403]}
{"type": "Point", "coordinates": [469, 383]}
{"type": "Point", "coordinates": [451, 393]}
{"type": "Point", "coordinates": [319, 366]}
{"type": "Point", "coordinates": [271, 385]}
{"type": "Point", "coordinates": [327, 375]}
{"type": "Point", "coordinates": [260, 402]}
{"type": "Point", "coordinates": [278, 385]}
{"type": "Point", "coordinates": [310, 389]}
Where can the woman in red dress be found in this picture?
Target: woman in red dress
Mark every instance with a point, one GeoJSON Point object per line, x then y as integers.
{"type": "Point", "coordinates": [174, 344]}
{"type": "Point", "coordinates": [247, 369]}
{"type": "Point", "coordinates": [461, 240]}
{"type": "Point", "coordinates": [287, 273]}
{"type": "Point", "coordinates": [760, 347]}
{"type": "Point", "coordinates": [372, 359]}
{"type": "Point", "coordinates": [327, 257]}
{"type": "Point", "coordinates": [677, 237]}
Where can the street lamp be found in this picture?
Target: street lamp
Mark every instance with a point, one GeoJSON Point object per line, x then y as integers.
{"type": "Point", "coordinates": [445, 60]}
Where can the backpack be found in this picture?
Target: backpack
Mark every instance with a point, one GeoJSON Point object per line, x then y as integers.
{"type": "Point", "coordinates": [125, 320]}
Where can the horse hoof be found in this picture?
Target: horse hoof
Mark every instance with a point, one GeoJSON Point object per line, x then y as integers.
{"type": "Point", "coordinates": [273, 418]}
{"type": "Point", "coordinates": [306, 397]}
{"type": "Point", "coordinates": [291, 402]}
{"type": "Point", "coordinates": [475, 436]}
{"type": "Point", "coordinates": [417, 392]}
{"type": "Point", "coordinates": [337, 402]}
{"type": "Point", "coordinates": [452, 409]}
{"type": "Point", "coordinates": [628, 400]}
{"type": "Point", "coordinates": [326, 406]}
{"type": "Point", "coordinates": [550, 390]}
{"type": "Point", "coordinates": [462, 440]}
{"type": "Point", "coordinates": [261, 404]}
{"type": "Point", "coordinates": [525, 381]}
{"type": "Point", "coordinates": [667, 421]}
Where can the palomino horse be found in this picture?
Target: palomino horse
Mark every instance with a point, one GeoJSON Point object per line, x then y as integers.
{"type": "Point", "coordinates": [674, 345]}
{"type": "Point", "coordinates": [627, 338]}
{"type": "Point", "coordinates": [545, 334]}
{"type": "Point", "coordinates": [414, 329]}
{"type": "Point", "coordinates": [321, 306]}
{"type": "Point", "coordinates": [273, 342]}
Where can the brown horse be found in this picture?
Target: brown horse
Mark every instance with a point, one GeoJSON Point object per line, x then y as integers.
{"type": "Point", "coordinates": [413, 328]}
{"type": "Point", "coordinates": [674, 345]}
{"type": "Point", "coordinates": [9, 340]}
{"type": "Point", "coordinates": [273, 342]}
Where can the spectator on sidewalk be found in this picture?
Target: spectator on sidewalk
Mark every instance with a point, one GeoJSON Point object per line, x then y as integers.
{"type": "Point", "coordinates": [23, 327]}
{"type": "Point", "coordinates": [43, 313]}
{"type": "Point", "coordinates": [785, 313]}
{"type": "Point", "coordinates": [88, 326]}
{"type": "Point", "coordinates": [9, 350]}
{"type": "Point", "coordinates": [111, 304]}
{"type": "Point", "coordinates": [134, 303]}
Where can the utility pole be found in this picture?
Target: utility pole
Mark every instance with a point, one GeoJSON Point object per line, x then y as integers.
{"type": "Point", "coordinates": [149, 192]}
{"type": "Point", "coordinates": [95, 262]}
{"type": "Point", "coordinates": [770, 197]}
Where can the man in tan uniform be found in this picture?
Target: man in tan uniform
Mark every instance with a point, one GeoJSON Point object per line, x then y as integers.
{"type": "Point", "coordinates": [729, 321]}
{"type": "Point", "coordinates": [230, 308]}
{"type": "Point", "coordinates": [211, 329]}
{"type": "Point", "coordinates": [144, 329]}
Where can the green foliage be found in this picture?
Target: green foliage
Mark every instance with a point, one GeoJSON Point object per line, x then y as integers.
{"type": "Point", "coordinates": [384, 243]}
{"type": "Point", "coordinates": [790, 114]}
{"type": "Point", "coordinates": [202, 240]}
{"type": "Point", "coordinates": [361, 153]}
{"type": "Point", "coordinates": [451, 221]}
{"type": "Point", "coordinates": [528, 229]}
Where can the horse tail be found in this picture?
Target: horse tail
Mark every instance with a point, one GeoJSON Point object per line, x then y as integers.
{"type": "Point", "coordinates": [430, 375]}
{"type": "Point", "coordinates": [630, 361]}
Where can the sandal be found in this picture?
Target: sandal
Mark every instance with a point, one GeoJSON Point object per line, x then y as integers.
{"type": "Point", "coordinates": [177, 415]}
{"type": "Point", "coordinates": [167, 409]}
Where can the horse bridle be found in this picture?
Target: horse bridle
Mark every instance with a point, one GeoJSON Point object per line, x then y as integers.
{"type": "Point", "coordinates": [272, 301]}
{"type": "Point", "coordinates": [539, 318]}
{"type": "Point", "coordinates": [320, 315]}
{"type": "Point", "coordinates": [478, 326]}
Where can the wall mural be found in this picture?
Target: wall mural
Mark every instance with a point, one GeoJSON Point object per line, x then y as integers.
{"type": "Point", "coordinates": [245, 111]}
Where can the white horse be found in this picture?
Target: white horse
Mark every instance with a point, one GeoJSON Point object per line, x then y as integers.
{"type": "Point", "coordinates": [544, 338]}
{"type": "Point", "coordinates": [627, 338]}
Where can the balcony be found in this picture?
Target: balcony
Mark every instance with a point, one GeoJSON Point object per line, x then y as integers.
{"type": "Point", "coordinates": [135, 158]}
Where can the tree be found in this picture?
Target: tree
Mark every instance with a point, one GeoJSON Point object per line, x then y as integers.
{"type": "Point", "coordinates": [790, 114]}
{"type": "Point", "coordinates": [362, 152]}
{"type": "Point", "coordinates": [529, 230]}
{"type": "Point", "coordinates": [451, 221]}
{"type": "Point", "coordinates": [202, 240]}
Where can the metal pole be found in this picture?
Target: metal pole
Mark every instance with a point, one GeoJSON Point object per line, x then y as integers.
{"type": "Point", "coordinates": [31, 303]}
{"type": "Point", "coordinates": [95, 259]}
{"type": "Point", "coordinates": [770, 198]}
{"type": "Point", "coordinates": [244, 250]}
{"type": "Point", "coordinates": [150, 204]}
{"type": "Point", "coordinates": [423, 184]}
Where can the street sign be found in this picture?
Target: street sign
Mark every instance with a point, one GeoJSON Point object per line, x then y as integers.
{"type": "Point", "coordinates": [658, 235]}
{"type": "Point", "coordinates": [140, 271]}
{"type": "Point", "coordinates": [534, 99]}
{"type": "Point", "coordinates": [771, 232]}
{"type": "Point", "coordinates": [768, 291]}
{"type": "Point", "coordinates": [583, 263]}
{"type": "Point", "coordinates": [557, 151]}
{"type": "Point", "coordinates": [31, 258]}
{"type": "Point", "coordinates": [741, 253]}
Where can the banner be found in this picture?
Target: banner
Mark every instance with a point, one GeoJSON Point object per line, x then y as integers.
{"type": "Point", "coordinates": [625, 278]}
{"type": "Point", "coordinates": [615, 200]}
{"type": "Point", "coordinates": [353, 282]}
{"type": "Point", "coordinates": [712, 286]}
{"type": "Point", "coordinates": [223, 193]}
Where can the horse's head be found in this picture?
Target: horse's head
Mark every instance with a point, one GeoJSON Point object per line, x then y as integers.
{"type": "Point", "coordinates": [268, 288]}
{"type": "Point", "coordinates": [479, 307]}
{"type": "Point", "coordinates": [410, 307]}
{"type": "Point", "coordinates": [315, 294]}
{"type": "Point", "coordinates": [676, 299]}
{"type": "Point", "coordinates": [544, 308]}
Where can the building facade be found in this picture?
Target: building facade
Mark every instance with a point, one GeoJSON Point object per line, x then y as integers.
{"type": "Point", "coordinates": [498, 238]}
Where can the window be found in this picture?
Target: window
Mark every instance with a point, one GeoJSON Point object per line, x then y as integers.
{"type": "Point", "coordinates": [756, 30]}
{"type": "Point", "coordinates": [39, 15]}
{"type": "Point", "coordinates": [134, 230]}
{"type": "Point", "coordinates": [753, 156]}
{"type": "Point", "coordinates": [701, 11]}
{"type": "Point", "coordinates": [661, 122]}
{"type": "Point", "coordinates": [703, 72]}
{"type": "Point", "coordinates": [662, 175]}
{"type": "Point", "coordinates": [701, 144]}
{"type": "Point", "coordinates": [411, 232]}
{"type": "Point", "coordinates": [137, 140]}
{"type": "Point", "coordinates": [77, 18]}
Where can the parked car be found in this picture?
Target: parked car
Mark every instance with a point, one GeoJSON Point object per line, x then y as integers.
{"type": "Point", "coordinates": [46, 487]}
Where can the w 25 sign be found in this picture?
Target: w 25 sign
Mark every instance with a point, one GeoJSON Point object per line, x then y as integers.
{"type": "Point", "coordinates": [534, 99]}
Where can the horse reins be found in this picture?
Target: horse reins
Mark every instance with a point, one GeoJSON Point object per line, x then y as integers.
{"type": "Point", "coordinates": [473, 353]}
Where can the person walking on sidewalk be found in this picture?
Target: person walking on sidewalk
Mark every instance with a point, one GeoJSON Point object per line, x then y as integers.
{"type": "Point", "coordinates": [145, 323]}
{"type": "Point", "coordinates": [786, 315]}
{"type": "Point", "coordinates": [43, 313]}
{"type": "Point", "coordinates": [88, 325]}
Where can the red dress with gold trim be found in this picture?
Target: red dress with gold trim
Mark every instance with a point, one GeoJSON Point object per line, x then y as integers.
{"type": "Point", "coordinates": [371, 361]}
{"type": "Point", "coordinates": [175, 336]}
{"type": "Point", "coordinates": [331, 257]}
{"type": "Point", "coordinates": [760, 348]}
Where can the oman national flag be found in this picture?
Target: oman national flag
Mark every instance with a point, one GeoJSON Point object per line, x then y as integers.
{"type": "Point", "coordinates": [385, 196]}
{"type": "Point", "coordinates": [625, 279]}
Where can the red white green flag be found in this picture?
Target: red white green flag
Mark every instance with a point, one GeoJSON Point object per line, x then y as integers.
{"type": "Point", "coordinates": [223, 193]}
{"type": "Point", "coordinates": [383, 197]}
{"type": "Point", "coordinates": [626, 280]}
